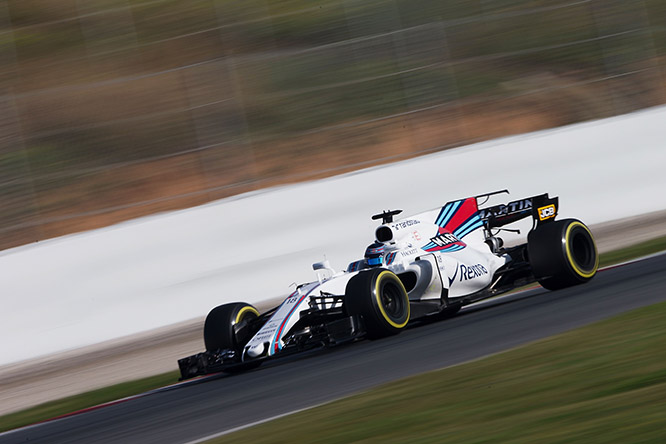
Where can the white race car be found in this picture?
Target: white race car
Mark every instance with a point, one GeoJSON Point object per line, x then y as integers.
{"type": "Point", "coordinates": [427, 265]}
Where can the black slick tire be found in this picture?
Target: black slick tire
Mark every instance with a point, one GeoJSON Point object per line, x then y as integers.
{"type": "Point", "coordinates": [562, 254]}
{"type": "Point", "coordinates": [226, 326]}
{"type": "Point", "coordinates": [380, 298]}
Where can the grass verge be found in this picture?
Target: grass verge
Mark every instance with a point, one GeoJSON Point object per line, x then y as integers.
{"type": "Point", "coordinates": [642, 249]}
{"type": "Point", "coordinates": [73, 403]}
{"type": "Point", "coordinates": [602, 383]}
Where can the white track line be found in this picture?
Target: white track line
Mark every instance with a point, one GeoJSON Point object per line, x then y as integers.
{"type": "Point", "coordinates": [261, 421]}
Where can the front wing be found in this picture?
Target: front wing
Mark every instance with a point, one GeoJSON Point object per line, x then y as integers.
{"type": "Point", "coordinates": [315, 329]}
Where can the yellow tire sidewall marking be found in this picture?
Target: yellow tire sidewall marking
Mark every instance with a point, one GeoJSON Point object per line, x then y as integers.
{"type": "Point", "coordinates": [244, 310]}
{"type": "Point", "coordinates": [570, 258]}
{"type": "Point", "coordinates": [379, 300]}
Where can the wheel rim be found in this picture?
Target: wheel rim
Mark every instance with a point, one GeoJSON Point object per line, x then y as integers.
{"type": "Point", "coordinates": [582, 252]}
{"type": "Point", "coordinates": [392, 300]}
{"type": "Point", "coordinates": [247, 313]}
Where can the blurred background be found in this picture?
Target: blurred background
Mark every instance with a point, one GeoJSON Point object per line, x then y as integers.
{"type": "Point", "coordinates": [114, 109]}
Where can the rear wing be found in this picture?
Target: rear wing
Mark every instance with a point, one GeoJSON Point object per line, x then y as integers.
{"type": "Point", "coordinates": [542, 208]}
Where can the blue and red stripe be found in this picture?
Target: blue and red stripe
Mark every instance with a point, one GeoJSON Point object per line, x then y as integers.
{"type": "Point", "coordinates": [459, 218]}
{"type": "Point", "coordinates": [390, 258]}
{"type": "Point", "coordinates": [286, 319]}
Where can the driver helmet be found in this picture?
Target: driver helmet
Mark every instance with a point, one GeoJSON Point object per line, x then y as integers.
{"type": "Point", "coordinates": [374, 254]}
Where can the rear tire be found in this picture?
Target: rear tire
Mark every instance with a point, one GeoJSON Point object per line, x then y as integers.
{"type": "Point", "coordinates": [380, 298]}
{"type": "Point", "coordinates": [562, 254]}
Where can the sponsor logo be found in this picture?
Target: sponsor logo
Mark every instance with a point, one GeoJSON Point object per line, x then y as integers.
{"type": "Point", "coordinates": [409, 252]}
{"type": "Point", "coordinates": [416, 235]}
{"type": "Point", "coordinates": [546, 212]}
{"type": "Point", "coordinates": [504, 210]}
{"type": "Point", "coordinates": [404, 224]}
{"type": "Point", "coordinates": [444, 239]}
{"type": "Point", "coordinates": [264, 336]}
{"type": "Point", "coordinates": [471, 272]}
{"type": "Point", "coordinates": [451, 279]}
{"type": "Point", "coordinates": [267, 332]}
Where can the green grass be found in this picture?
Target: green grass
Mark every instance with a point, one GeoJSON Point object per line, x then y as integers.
{"type": "Point", "coordinates": [602, 383]}
{"type": "Point", "coordinates": [256, 25]}
{"type": "Point", "coordinates": [638, 250]}
{"type": "Point", "coordinates": [63, 406]}
{"type": "Point", "coordinates": [78, 402]}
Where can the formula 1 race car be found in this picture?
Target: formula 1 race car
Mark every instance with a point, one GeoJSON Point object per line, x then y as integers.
{"type": "Point", "coordinates": [425, 266]}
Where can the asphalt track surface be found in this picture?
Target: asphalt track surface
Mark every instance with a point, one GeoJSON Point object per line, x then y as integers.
{"type": "Point", "coordinates": [212, 405]}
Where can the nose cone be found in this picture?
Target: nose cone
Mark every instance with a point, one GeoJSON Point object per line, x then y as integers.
{"type": "Point", "coordinates": [255, 351]}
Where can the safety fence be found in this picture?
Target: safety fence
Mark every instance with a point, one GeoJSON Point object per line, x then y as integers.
{"type": "Point", "coordinates": [115, 109]}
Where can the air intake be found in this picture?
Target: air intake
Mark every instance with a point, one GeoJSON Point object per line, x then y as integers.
{"type": "Point", "coordinates": [384, 234]}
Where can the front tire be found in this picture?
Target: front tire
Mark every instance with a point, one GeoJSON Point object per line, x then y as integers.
{"type": "Point", "coordinates": [226, 327]}
{"type": "Point", "coordinates": [380, 298]}
{"type": "Point", "coordinates": [562, 254]}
